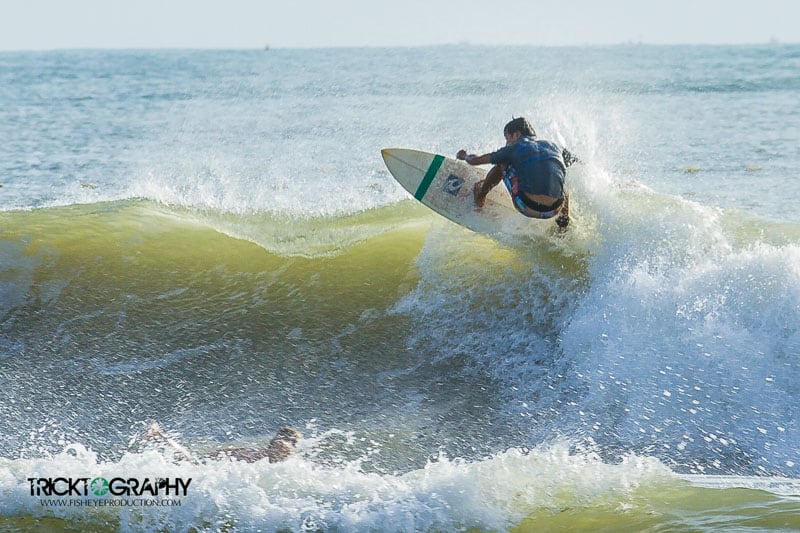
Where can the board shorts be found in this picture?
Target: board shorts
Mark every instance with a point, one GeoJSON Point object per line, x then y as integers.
{"type": "Point", "coordinates": [526, 206]}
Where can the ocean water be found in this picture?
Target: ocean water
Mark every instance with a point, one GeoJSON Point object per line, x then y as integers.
{"type": "Point", "coordinates": [210, 240]}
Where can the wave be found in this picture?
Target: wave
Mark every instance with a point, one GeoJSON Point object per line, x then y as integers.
{"type": "Point", "coordinates": [653, 305]}
{"type": "Point", "coordinates": [657, 327]}
{"type": "Point", "coordinates": [124, 268]}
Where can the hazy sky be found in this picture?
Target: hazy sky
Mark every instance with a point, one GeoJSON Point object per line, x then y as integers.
{"type": "Point", "coordinates": [51, 24]}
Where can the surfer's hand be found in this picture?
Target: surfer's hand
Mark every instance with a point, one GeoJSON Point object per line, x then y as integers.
{"type": "Point", "coordinates": [462, 155]}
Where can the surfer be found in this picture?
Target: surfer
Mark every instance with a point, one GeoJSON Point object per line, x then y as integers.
{"type": "Point", "coordinates": [533, 171]}
{"type": "Point", "coordinates": [281, 447]}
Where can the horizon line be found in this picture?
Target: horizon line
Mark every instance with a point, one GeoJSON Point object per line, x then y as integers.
{"type": "Point", "coordinates": [268, 47]}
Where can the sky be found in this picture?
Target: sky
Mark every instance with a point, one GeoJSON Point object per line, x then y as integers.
{"type": "Point", "coordinates": [243, 24]}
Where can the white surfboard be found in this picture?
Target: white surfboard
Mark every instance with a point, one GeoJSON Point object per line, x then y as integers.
{"type": "Point", "coordinates": [445, 185]}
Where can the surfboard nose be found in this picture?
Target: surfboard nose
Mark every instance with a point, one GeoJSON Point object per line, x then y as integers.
{"type": "Point", "coordinates": [391, 155]}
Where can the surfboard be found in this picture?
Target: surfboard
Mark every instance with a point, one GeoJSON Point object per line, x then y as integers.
{"type": "Point", "coordinates": [445, 185]}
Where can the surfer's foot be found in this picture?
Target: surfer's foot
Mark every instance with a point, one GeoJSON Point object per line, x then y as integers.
{"type": "Point", "coordinates": [478, 194]}
{"type": "Point", "coordinates": [154, 432]}
{"type": "Point", "coordinates": [562, 221]}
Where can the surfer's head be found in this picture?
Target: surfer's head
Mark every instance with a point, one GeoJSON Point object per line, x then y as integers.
{"type": "Point", "coordinates": [519, 125]}
{"type": "Point", "coordinates": [289, 435]}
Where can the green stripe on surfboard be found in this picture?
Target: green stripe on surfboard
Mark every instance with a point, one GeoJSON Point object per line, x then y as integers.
{"type": "Point", "coordinates": [429, 175]}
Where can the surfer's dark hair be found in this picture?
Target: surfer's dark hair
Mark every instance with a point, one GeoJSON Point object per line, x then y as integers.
{"type": "Point", "coordinates": [520, 124]}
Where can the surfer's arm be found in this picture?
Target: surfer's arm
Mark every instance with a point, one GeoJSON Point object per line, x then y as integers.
{"type": "Point", "coordinates": [473, 159]}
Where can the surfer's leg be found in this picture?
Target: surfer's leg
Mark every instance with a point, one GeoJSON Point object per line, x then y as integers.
{"type": "Point", "coordinates": [482, 188]}
{"type": "Point", "coordinates": [493, 177]}
{"type": "Point", "coordinates": [156, 435]}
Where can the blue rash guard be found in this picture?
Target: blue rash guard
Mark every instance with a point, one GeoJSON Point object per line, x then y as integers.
{"type": "Point", "coordinates": [538, 166]}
